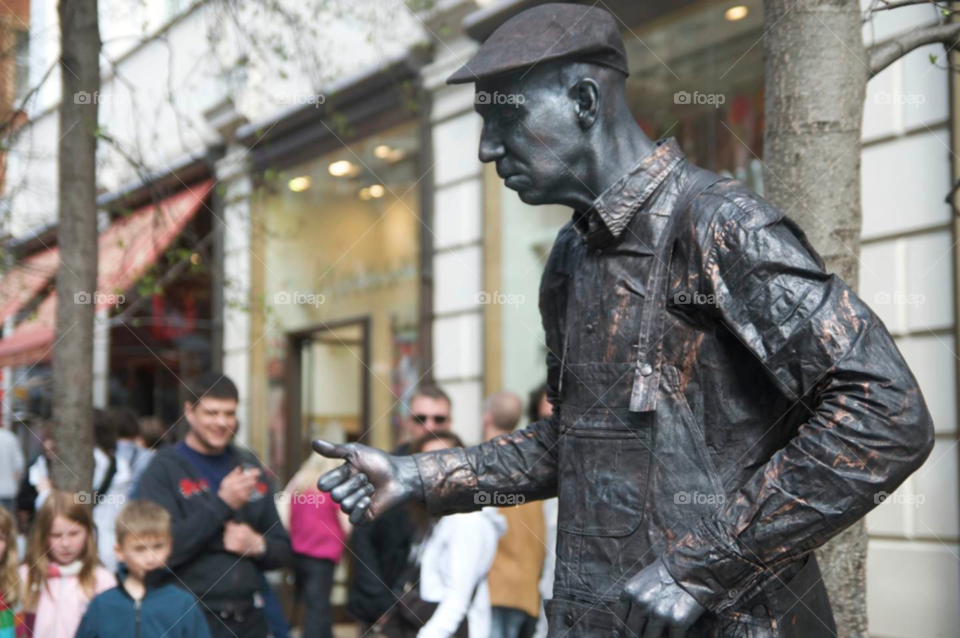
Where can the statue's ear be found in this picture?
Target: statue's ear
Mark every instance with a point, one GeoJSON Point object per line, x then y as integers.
{"type": "Point", "coordinates": [588, 102]}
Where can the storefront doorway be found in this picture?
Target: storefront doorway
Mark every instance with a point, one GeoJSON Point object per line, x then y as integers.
{"type": "Point", "coordinates": [329, 391]}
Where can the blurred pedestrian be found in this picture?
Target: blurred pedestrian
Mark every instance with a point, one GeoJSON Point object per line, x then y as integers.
{"type": "Point", "coordinates": [111, 431]}
{"type": "Point", "coordinates": [515, 575]}
{"type": "Point", "coordinates": [62, 572]}
{"type": "Point", "coordinates": [36, 478]}
{"type": "Point", "coordinates": [381, 549]}
{"type": "Point", "coordinates": [226, 531]}
{"type": "Point", "coordinates": [151, 435]}
{"type": "Point", "coordinates": [127, 427]}
{"type": "Point", "coordinates": [318, 532]}
{"type": "Point", "coordinates": [539, 408]}
{"type": "Point", "coordinates": [146, 604]}
{"type": "Point", "coordinates": [445, 591]}
{"type": "Point", "coordinates": [11, 469]}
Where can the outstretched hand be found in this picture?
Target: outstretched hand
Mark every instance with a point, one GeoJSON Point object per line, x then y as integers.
{"type": "Point", "coordinates": [653, 605]}
{"type": "Point", "coordinates": [371, 482]}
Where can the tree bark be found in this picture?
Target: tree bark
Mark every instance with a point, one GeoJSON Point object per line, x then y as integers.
{"type": "Point", "coordinates": [72, 467]}
{"type": "Point", "coordinates": [816, 75]}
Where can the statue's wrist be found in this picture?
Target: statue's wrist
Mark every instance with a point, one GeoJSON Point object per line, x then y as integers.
{"type": "Point", "coordinates": [409, 475]}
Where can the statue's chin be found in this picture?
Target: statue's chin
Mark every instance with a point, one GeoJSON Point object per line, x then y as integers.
{"type": "Point", "coordinates": [530, 197]}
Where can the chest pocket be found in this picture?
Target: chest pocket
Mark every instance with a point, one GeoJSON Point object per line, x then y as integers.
{"type": "Point", "coordinates": [629, 260]}
{"type": "Point", "coordinates": [604, 470]}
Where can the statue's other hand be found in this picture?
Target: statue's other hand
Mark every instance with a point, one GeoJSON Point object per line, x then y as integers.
{"type": "Point", "coordinates": [653, 605]}
{"type": "Point", "coordinates": [370, 483]}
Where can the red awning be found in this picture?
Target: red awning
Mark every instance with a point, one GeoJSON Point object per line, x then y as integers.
{"type": "Point", "coordinates": [32, 340]}
{"type": "Point", "coordinates": [126, 250]}
{"type": "Point", "coordinates": [26, 280]}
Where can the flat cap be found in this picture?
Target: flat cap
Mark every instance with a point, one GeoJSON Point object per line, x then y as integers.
{"type": "Point", "coordinates": [544, 33]}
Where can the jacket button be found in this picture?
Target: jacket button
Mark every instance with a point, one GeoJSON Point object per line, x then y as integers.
{"type": "Point", "coordinates": [616, 634]}
{"type": "Point", "coordinates": [759, 611]}
{"type": "Point", "coordinates": [597, 252]}
{"type": "Point", "coordinates": [646, 370]}
{"type": "Point", "coordinates": [590, 328]}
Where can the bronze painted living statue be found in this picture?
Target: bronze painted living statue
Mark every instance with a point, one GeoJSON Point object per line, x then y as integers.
{"type": "Point", "coordinates": [723, 406]}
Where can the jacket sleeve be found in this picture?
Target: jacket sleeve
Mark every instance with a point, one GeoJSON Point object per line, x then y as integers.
{"type": "Point", "coordinates": [279, 552]}
{"type": "Point", "coordinates": [868, 429]}
{"type": "Point", "coordinates": [521, 462]}
{"type": "Point", "coordinates": [192, 533]}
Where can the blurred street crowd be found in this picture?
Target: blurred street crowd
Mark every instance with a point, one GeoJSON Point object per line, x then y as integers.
{"type": "Point", "coordinates": [194, 538]}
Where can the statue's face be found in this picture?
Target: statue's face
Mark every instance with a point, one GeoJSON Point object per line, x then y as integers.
{"type": "Point", "coordinates": [530, 131]}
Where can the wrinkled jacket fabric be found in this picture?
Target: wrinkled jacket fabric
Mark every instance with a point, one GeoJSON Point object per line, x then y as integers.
{"type": "Point", "coordinates": [777, 410]}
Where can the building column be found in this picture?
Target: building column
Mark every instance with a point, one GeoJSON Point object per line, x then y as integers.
{"type": "Point", "coordinates": [457, 260]}
{"type": "Point", "coordinates": [233, 179]}
{"type": "Point", "coordinates": [101, 358]}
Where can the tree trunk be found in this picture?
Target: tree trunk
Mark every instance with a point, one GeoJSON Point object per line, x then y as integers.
{"type": "Point", "coordinates": [815, 87]}
{"type": "Point", "coordinates": [72, 468]}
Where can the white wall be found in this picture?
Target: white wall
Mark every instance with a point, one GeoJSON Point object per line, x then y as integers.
{"type": "Point", "coordinates": [913, 573]}
{"type": "Point", "coordinates": [458, 241]}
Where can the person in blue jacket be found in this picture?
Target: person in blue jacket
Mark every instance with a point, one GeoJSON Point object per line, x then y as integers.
{"type": "Point", "coordinates": [142, 606]}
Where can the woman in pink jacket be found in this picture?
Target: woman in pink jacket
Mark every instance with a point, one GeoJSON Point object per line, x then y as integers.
{"type": "Point", "coordinates": [318, 533]}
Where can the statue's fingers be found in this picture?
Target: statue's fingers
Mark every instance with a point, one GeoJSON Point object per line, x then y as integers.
{"type": "Point", "coordinates": [636, 621]}
{"type": "Point", "coordinates": [344, 490]}
{"type": "Point", "coordinates": [655, 626]}
{"type": "Point", "coordinates": [330, 450]}
{"type": "Point", "coordinates": [358, 515]}
{"type": "Point", "coordinates": [334, 478]}
{"type": "Point", "coordinates": [680, 631]}
{"type": "Point", "coordinates": [351, 501]}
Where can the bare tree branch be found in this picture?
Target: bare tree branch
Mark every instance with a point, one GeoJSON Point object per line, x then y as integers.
{"type": "Point", "coordinates": [885, 54]}
{"type": "Point", "coordinates": [886, 6]}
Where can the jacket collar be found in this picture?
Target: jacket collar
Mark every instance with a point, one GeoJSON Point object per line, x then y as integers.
{"type": "Point", "coordinates": [154, 580]}
{"type": "Point", "coordinates": [613, 210]}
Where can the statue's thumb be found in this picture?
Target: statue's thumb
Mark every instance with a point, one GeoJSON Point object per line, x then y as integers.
{"type": "Point", "coordinates": [329, 450]}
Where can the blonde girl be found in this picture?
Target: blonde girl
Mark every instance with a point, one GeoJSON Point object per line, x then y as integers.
{"type": "Point", "coordinates": [62, 573]}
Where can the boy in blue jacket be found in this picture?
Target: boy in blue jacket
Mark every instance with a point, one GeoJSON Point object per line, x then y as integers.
{"type": "Point", "coordinates": [142, 607]}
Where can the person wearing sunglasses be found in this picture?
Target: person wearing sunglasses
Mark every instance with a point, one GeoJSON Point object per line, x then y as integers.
{"type": "Point", "coordinates": [381, 549]}
{"type": "Point", "coordinates": [429, 412]}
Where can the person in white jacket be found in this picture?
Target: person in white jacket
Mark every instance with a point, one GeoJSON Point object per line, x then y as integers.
{"type": "Point", "coordinates": [454, 561]}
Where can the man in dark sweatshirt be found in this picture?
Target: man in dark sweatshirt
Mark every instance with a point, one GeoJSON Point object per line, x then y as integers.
{"type": "Point", "coordinates": [226, 531]}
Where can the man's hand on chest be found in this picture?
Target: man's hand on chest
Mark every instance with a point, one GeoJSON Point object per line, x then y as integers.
{"type": "Point", "coordinates": [243, 540]}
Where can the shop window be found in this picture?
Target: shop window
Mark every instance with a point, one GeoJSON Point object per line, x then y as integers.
{"type": "Point", "coordinates": [341, 247]}
{"type": "Point", "coordinates": [699, 77]}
